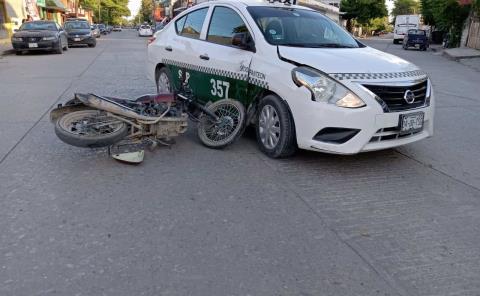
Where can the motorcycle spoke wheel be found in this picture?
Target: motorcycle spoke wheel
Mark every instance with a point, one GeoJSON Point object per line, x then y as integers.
{"type": "Point", "coordinates": [90, 128]}
{"type": "Point", "coordinates": [91, 124]}
{"type": "Point", "coordinates": [219, 134]}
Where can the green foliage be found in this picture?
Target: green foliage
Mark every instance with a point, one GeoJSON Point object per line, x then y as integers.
{"type": "Point", "coordinates": [145, 14]}
{"type": "Point", "coordinates": [111, 11]}
{"type": "Point", "coordinates": [426, 7]}
{"type": "Point", "coordinates": [402, 7]}
{"type": "Point", "coordinates": [362, 11]}
{"type": "Point", "coordinates": [379, 24]}
{"type": "Point", "coordinates": [446, 15]}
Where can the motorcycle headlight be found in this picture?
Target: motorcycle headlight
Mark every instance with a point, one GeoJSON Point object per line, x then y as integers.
{"type": "Point", "coordinates": [325, 89]}
{"type": "Point", "coordinates": [17, 39]}
{"type": "Point", "coordinates": [49, 38]}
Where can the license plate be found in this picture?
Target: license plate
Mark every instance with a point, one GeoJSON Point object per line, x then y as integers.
{"type": "Point", "coordinates": [32, 45]}
{"type": "Point", "coordinates": [417, 45]}
{"type": "Point", "coordinates": [76, 39]}
{"type": "Point", "coordinates": [410, 123]}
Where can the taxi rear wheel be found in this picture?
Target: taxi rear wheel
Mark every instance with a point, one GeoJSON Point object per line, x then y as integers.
{"type": "Point", "coordinates": [275, 128]}
{"type": "Point", "coordinates": [164, 81]}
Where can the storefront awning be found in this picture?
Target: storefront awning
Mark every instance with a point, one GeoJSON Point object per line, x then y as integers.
{"type": "Point", "coordinates": [55, 5]}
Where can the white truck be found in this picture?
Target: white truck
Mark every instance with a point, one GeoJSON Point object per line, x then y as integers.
{"type": "Point", "coordinates": [403, 23]}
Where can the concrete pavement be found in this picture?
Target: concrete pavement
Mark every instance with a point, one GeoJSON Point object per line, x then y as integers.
{"type": "Point", "coordinates": [196, 221]}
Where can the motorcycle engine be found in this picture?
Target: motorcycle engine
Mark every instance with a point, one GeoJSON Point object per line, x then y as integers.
{"type": "Point", "coordinates": [157, 109]}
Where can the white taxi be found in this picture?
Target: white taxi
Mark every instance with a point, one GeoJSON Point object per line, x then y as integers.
{"type": "Point", "coordinates": [305, 82]}
{"type": "Point", "coordinates": [145, 31]}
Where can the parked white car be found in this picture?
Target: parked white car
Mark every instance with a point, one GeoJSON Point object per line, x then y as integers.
{"type": "Point", "coordinates": [145, 30]}
{"type": "Point", "coordinates": [304, 80]}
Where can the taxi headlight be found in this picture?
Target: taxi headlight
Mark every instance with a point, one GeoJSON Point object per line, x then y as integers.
{"type": "Point", "coordinates": [49, 38]}
{"type": "Point", "coordinates": [17, 39]}
{"type": "Point", "coordinates": [325, 89]}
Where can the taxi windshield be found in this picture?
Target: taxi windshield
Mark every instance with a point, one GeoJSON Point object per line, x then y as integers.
{"type": "Point", "coordinates": [300, 28]}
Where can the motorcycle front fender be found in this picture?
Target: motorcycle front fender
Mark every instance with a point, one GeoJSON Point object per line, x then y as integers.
{"type": "Point", "coordinates": [69, 107]}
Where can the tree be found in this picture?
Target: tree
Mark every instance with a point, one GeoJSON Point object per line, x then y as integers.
{"type": "Point", "coordinates": [447, 15]}
{"type": "Point", "coordinates": [362, 11]}
{"type": "Point", "coordinates": [426, 8]}
{"type": "Point", "coordinates": [145, 12]}
{"type": "Point", "coordinates": [379, 24]}
{"type": "Point", "coordinates": [111, 11]}
{"type": "Point", "coordinates": [402, 7]}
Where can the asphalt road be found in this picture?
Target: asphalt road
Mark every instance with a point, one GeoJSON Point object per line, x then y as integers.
{"type": "Point", "coordinates": [195, 221]}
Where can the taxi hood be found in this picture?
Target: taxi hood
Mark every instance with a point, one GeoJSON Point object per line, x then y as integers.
{"type": "Point", "coordinates": [346, 60]}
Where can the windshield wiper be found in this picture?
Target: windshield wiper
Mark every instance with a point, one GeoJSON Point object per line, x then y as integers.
{"type": "Point", "coordinates": [293, 44]}
{"type": "Point", "coordinates": [334, 45]}
{"type": "Point", "coordinates": [319, 45]}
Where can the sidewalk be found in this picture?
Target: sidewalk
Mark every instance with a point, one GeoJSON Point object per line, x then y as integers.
{"type": "Point", "coordinates": [461, 53]}
{"type": "Point", "coordinates": [5, 47]}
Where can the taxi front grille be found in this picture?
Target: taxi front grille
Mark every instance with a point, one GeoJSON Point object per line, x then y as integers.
{"type": "Point", "coordinates": [392, 97]}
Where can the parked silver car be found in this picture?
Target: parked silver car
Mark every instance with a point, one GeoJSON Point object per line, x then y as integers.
{"type": "Point", "coordinates": [95, 30]}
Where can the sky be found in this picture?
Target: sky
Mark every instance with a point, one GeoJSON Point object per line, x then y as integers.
{"type": "Point", "coordinates": [134, 6]}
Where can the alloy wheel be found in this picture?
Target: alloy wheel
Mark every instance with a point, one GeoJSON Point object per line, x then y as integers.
{"type": "Point", "coordinates": [164, 85]}
{"type": "Point", "coordinates": [269, 127]}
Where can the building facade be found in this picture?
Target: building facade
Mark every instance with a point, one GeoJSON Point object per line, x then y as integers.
{"type": "Point", "coordinates": [13, 12]}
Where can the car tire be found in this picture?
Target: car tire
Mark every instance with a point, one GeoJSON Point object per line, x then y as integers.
{"type": "Point", "coordinates": [92, 44]}
{"type": "Point", "coordinates": [59, 50]}
{"type": "Point", "coordinates": [166, 76]}
{"type": "Point", "coordinates": [275, 128]}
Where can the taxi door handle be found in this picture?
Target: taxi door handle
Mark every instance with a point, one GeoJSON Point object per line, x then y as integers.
{"type": "Point", "coordinates": [204, 57]}
{"type": "Point", "coordinates": [168, 48]}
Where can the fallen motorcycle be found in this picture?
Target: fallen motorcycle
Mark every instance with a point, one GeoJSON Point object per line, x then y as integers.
{"type": "Point", "coordinates": [93, 121]}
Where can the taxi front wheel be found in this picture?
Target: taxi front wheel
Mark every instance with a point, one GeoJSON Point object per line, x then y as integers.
{"type": "Point", "coordinates": [275, 128]}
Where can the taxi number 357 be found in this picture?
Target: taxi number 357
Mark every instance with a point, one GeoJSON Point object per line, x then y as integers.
{"type": "Point", "coordinates": [220, 88]}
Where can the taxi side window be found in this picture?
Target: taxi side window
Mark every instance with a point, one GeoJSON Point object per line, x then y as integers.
{"type": "Point", "coordinates": [224, 24]}
{"type": "Point", "coordinates": [191, 24]}
{"type": "Point", "coordinates": [179, 24]}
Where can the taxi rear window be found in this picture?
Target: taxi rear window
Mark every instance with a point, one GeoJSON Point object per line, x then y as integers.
{"type": "Point", "coordinates": [416, 32]}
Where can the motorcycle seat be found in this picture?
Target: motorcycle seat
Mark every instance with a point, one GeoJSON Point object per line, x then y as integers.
{"type": "Point", "coordinates": [156, 98]}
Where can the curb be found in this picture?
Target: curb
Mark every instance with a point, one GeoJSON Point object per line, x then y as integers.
{"type": "Point", "coordinates": [458, 57]}
{"type": "Point", "coordinates": [7, 52]}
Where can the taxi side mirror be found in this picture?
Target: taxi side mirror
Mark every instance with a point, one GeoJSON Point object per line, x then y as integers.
{"type": "Point", "coordinates": [243, 41]}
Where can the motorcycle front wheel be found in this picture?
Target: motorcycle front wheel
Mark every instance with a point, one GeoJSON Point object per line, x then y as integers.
{"type": "Point", "coordinates": [221, 133]}
{"type": "Point", "coordinates": [90, 128]}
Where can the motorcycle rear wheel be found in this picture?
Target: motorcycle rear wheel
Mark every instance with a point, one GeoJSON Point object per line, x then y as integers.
{"type": "Point", "coordinates": [90, 129]}
{"type": "Point", "coordinates": [232, 122]}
